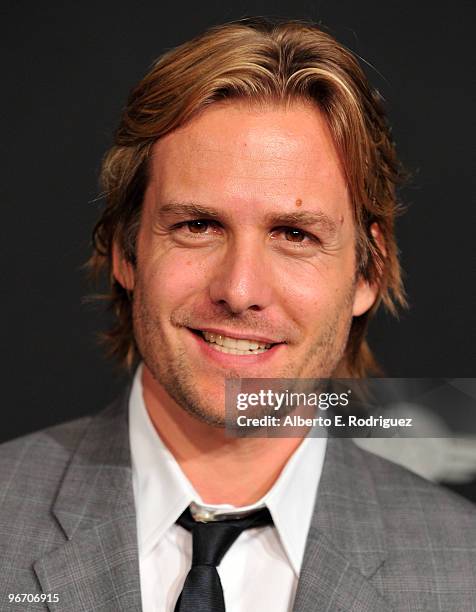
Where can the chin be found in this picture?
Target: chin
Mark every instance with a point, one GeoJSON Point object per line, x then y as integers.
{"type": "Point", "coordinates": [205, 414]}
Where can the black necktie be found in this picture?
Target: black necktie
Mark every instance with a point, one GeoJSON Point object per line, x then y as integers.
{"type": "Point", "coordinates": [202, 590]}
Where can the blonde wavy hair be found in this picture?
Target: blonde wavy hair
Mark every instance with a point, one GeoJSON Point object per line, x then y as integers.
{"type": "Point", "coordinates": [263, 62]}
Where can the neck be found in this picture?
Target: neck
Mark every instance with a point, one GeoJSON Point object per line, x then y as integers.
{"type": "Point", "coordinates": [223, 470]}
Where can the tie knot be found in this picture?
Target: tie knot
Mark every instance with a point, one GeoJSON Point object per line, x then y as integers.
{"type": "Point", "coordinates": [212, 540]}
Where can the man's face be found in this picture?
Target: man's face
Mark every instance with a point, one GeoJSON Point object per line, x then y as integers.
{"type": "Point", "coordinates": [245, 254]}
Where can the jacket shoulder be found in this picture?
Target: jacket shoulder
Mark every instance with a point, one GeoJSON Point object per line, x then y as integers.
{"type": "Point", "coordinates": [410, 502]}
{"type": "Point", "coordinates": [35, 462]}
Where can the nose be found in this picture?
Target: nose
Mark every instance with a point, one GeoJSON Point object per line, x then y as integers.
{"type": "Point", "coordinates": [241, 280]}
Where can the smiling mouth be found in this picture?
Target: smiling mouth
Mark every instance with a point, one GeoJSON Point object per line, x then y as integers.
{"type": "Point", "coordinates": [233, 346]}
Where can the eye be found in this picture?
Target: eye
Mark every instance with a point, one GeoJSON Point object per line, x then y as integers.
{"type": "Point", "coordinates": [294, 235]}
{"type": "Point", "coordinates": [196, 231]}
{"type": "Point", "coordinates": [198, 226]}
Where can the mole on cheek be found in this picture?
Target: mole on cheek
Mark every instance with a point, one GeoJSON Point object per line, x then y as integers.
{"type": "Point", "coordinates": [299, 202]}
{"type": "Point", "coordinates": [341, 219]}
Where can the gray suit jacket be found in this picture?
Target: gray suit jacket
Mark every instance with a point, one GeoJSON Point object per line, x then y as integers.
{"type": "Point", "coordinates": [381, 538]}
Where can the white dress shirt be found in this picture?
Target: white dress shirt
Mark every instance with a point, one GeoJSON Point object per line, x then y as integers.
{"type": "Point", "coordinates": [261, 569]}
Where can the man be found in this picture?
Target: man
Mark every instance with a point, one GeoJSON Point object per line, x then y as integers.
{"type": "Point", "coordinates": [248, 233]}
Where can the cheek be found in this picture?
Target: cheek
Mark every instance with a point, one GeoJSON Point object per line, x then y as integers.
{"type": "Point", "coordinates": [171, 278]}
{"type": "Point", "coordinates": [315, 291]}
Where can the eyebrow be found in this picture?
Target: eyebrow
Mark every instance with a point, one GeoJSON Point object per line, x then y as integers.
{"type": "Point", "coordinates": [181, 209]}
{"type": "Point", "coordinates": [304, 218]}
{"type": "Point", "coordinates": [301, 218]}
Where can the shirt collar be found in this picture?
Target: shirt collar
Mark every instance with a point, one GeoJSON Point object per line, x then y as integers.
{"type": "Point", "coordinates": [162, 491]}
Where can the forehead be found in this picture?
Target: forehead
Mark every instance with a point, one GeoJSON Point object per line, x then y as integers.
{"type": "Point", "coordinates": [258, 159]}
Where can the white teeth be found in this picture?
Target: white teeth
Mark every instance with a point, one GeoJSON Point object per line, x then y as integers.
{"type": "Point", "coordinates": [235, 346]}
{"type": "Point", "coordinates": [234, 351]}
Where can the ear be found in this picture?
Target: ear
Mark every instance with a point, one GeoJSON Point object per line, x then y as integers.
{"type": "Point", "coordinates": [366, 293]}
{"type": "Point", "coordinates": [122, 270]}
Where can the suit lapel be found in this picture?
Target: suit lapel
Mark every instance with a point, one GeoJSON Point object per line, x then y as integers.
{"type": "Point", "coordinates": [345, 545]}
{"type": "Point", "coordinates": [97, 568]}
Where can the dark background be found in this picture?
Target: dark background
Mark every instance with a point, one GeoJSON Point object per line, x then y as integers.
{"type": "Point", "coordinates": [67, 68]}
